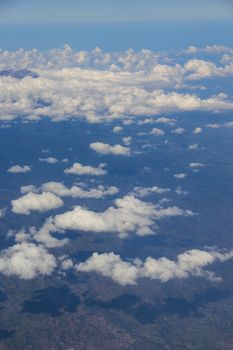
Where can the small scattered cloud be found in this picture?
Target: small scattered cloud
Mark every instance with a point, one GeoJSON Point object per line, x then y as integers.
{"type": "Point", "coordinates": [157, 132]}
{"type": "Point", "coordinates": [49, 160]}
{"type": "Point", "coordinates": [19, 169]}
{"type": "Point", "coordinates": [197, 130]}
{"type": "Point", "coordinates": [80, 169]}
{"type": "Point", "coordinates": [180, 176]}
{"type": "Point", "coordinates": [105, 148]}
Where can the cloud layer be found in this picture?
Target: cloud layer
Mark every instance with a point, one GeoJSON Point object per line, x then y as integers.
{"type": "Point", "coordinates": [100, 86]}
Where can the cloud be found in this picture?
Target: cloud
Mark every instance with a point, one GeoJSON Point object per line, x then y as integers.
{"type": "Point", "coordinates": [50, 160]}
{"type": "Point", "coordinates": [27, 261]}
{"type": "Point", "coordinates": [19, 169]}
{"type": "Point", "coordinates": [43, 236]}
{"type": "Point", "coordinates": [214, 126]}
{"type": "Point", "coordinates": [180, 176]}
{"type": "Point", "coordinates": [105, 148]}
{"type": "Point", "coordinates": [157, 132]}
{"type": "Point", "coordinates": [196, 165]}
{"type": "Point", "coordinates": [117, 129]}
{"type": "Point", "coordinates": [179, 191]}
{"type": "Point", "coordinates": [61, 190]}
{"type": "Point", "coordinates": [129, 215]}
{"type": "Point", "coordinates": [127, 140]}
{"type": "Point", "coordinates": [28, 188]}
{"type": "Point", "coordinates": [190, 263]}
{"type": "Point", "coordinates": [178, 131]}
{"type": "Point", "coordinates": [100, 86]}
{"type": "Point", "coordinates": [194, 146]}
{"type": "Point", "coordinates": [35, 202]}
{"type": "Point", "coordinates": [79, 169]}
{"type": "Point", "coordinates": [145, 191]}
{"type": "Point", "coordinates": [197, 130]}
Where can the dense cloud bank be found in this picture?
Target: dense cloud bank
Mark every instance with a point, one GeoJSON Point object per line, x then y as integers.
{"type": "Point", "coordinates": [100, 86]}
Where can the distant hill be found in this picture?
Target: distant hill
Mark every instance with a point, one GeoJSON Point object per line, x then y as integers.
{"type": "Point", "coordinates": [18, 74]}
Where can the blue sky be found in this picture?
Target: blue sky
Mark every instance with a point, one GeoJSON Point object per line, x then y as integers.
{"type": "Point", "coordinates": [27, 11]}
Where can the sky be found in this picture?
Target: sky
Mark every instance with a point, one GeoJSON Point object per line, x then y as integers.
{"type": "Point", "coordinates": [69, 11]}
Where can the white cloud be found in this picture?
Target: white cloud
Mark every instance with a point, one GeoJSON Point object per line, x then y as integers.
{"type": "Point", "coordinates": [79, 169]}
{"type": "Point", "coordinates": [27, 261]}
{"type": "Point", "coordinates": [179, 191]}
{"type": "Point", "coordinates": [157, 132]}
{"type": "Point", "coordinates": [35, 202]}
{"type": "Point", "coordinates": [61, 190]}
{"type": "Point", "coordinates": [19, 169]}
{"type": "Point", "coordinates": [196, 165]}
{"type": "Point", "coordinates": [229, 125]}
{"type": "Point", "coordinates": [105, 148]}
{"type": "Point", "coordinates": [129, 215]}
{"type": "Point", "coordinates": [117, 129]}
{"type": "Point", "coordinates": [214, 126]}
{"type": "Point", "coordinates": [190, 263]}
{"type": "Point", "coordinates": [194, 146]}
{"type": "Point", "coordinates": [50, 160]}
{"type": "Point", "coordinates": [180, 176]}
{"type": "Point", "coordinates": [127, 140]}
{"type": "Point", "coordinates": [28, 188]}
{"type": "Point", "coordinates": [178, 131]}
{"type": "Point", "coordinates": [145, 191]}
{"type": "Point", "coordinates": [197, 130]}
{"type": "Point", "coordinates": [100, 86]}
{"type": "Point", "coordinates": [165, 120]}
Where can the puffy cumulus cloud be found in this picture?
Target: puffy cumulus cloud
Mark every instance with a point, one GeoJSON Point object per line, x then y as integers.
{"type": "Point", "coordinates": [50, 160]}
{"type": "Point", "coordinates": [105, 148]}
{"type": "Point", "coordinates": [145, 191]}
{"type": "Point", "coordinates": [128, 60]}
{"type": "Point", "coordinates": [79, 169]}
{"type": "Point", "coordinates": [43, 236]}
{"type": "Point", "coordinates": [190, 263]}
{"type": "Point", "coordinates": [61, 190]}
{"type": "Point", "coordinates": [128, 215]}
{"type": "Point", "coordinates": [110, 265]}
{"type": "Point", "coordinates": [200, 69]}
{"type": "Point", "coordinates": [27, 261]}
{"type": "Point", "coordinates": [197, 130]}
{"type": "Point", "coordinates": [35, 202]}
{"type": "Point", "coordinates": [157, 132]}
{"type": "Point", "coordinates": [89, 85]}
{"type": "Point", "coordinates": [19, 169]}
